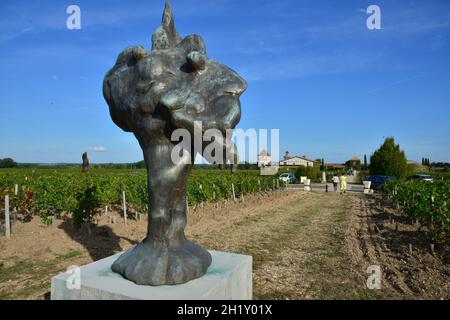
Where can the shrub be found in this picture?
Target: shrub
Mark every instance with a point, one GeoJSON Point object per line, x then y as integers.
{"type": "Point", "coordinates": [312, 173]}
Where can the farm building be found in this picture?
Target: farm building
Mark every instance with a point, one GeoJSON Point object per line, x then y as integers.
{"type": "Point", "coordinates": [296, 161]}
{"type": "Point", "coordinates": [335, 166]}
{"type": "Point", "coordinates": [264, 158]}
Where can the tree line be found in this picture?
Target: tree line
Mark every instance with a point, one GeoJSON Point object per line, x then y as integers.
{"type": "Point", "coordinates": [7, 163]}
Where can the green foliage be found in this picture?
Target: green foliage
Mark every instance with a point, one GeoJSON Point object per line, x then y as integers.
{"type": "Point", "coordinates": [50, 192]}
{"type": "Point", "coordinates": [7, 163]}
{"type": "Point", "coordinates": [312, 173]}
{"type": "Point", "coordinates": [427, 202]}
{"type": "Point", "coordinates": [353, 164]}
{"type": "Point", "coordinates": [87, 201]}
{"type": "Point", "coordinates": [247, 166]}
{"type": "Point", "coordinates": [389, 160]}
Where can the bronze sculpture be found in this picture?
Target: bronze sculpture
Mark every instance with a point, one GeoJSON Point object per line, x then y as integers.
{"type": "Point", "coordinates": [152, 94]}
{"type": "Point", "coordinates": [85, 166]}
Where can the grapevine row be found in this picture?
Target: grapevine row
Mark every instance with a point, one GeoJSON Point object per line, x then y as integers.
{"type": "Point", "coordinates": [424, 202]}
{"type": "Point", "coordinates": [58, 192]}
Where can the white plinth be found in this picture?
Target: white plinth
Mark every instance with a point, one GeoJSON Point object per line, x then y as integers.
{"type": "Point", "coordinates": [229, 278]}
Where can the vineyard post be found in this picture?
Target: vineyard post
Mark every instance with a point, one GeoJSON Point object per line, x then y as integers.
{"type": "Point", "coordinates": [16, 189]}
{"type": "Point", "coordinates": [216, 205]}
{"type": "Point", "coordinates": [234, 193]}
{"type": "Point", "coordinates": [7, 222]}
{"type": "Point", "coordinates": [124, 207]}
{"type": "Point", "coordinates": [106, 210]}
{"type": "Point", "coordinates": [259, 184]}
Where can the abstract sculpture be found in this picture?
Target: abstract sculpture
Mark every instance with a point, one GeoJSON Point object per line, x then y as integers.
{"type": "Point", "coordinates": [85, 166]}
{"type": "Point", "coordinates": [152, 94]}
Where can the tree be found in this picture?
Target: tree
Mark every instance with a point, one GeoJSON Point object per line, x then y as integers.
{"type": "Point", "coordinates": [365, 162]}
{"type": "Point", "coordinates": [7, 163]}
{"type": "Point", "coordinates": [389, 160]}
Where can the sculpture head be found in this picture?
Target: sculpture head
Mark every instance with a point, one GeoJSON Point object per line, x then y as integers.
{"type": "Point", "coordinates": [154, 93]}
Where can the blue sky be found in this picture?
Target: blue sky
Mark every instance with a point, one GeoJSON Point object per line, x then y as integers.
{"type": "Point", "coordinates": [334, 88]}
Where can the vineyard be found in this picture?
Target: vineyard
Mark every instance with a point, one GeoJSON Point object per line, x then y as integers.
{"type": "Point", "coordinates": [52, 193]}
{"type": "Point", "coordinates": [426, 203]}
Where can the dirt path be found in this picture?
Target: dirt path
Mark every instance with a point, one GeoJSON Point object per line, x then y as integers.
{"type": "Point", "coordinates": [297, 248]}
{"type": "Point", "coordinates": [304, 246]}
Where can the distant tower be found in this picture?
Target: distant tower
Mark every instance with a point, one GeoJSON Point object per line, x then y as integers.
{"type": "Point", "coordinates": [264, 159]}
{"type": "Point", "coordinates": [286, 156]}
{"type": "Point", "coordinates": [85, 162]}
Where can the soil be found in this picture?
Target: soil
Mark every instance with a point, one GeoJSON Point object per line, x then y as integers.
{"type": "Point", "coordinates": [304, 245]}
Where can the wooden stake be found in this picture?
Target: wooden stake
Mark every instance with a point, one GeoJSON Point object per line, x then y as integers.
{"type": "Point", "coordinates": [432, 248]}
{"type": "Point", "coordinates": [234, 193]}
{"type": "Point", "coordinates": [410, 249]}
{"type": "Point", "coordinates": [16, 189]}
{"type": "Point", "coordinates": [124, 207]}
{"type": "Point", "coordinates": [7, 222]}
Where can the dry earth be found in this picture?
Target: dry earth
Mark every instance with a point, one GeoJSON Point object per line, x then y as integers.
{"type": "Point", "coordinates": [304, 246]}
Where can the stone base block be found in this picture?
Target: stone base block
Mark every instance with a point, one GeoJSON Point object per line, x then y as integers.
{"type": "Point", "coordinates": [229, 278]}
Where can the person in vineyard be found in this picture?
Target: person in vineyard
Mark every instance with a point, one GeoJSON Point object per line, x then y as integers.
{"type": "Point", "coordinates": [343, 181]}
{"type": "Point", "coordinates": [335, 181]}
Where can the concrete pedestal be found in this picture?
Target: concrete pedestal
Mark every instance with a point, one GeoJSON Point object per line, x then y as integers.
{"type": "Point", "coordinates": [229, 278]}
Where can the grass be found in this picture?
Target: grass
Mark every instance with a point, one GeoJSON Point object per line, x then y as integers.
{"type": "Point", "coordinates": [70, 254]}
{"type": "Point", "coordinates": [27, 278]}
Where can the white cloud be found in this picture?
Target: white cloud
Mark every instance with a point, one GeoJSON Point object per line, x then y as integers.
{"type": "Point", "coordinates": [97, 149]}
